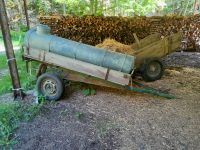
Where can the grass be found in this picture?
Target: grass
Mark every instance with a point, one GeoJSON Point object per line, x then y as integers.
{"type": "Point", "coordinates": [27, 79]}
{"type": "Point", "coordinates": [3, 64]}
{"type": "Point", "coordinates": [17, 38]}
{"type": "Point", "coordinates": [11, 114]}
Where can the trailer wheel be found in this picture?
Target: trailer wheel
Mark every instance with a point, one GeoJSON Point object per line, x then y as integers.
{"type": "Point", "coordinates": [50, 85]}
{"type": "Point", "coordinates": [152, 70]}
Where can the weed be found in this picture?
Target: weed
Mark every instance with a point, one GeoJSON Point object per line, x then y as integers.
{"type": "Point", "coordinates": [27, 81]}
{"type": "Point", "coordinates": [17, 38]}
{"type": "Point", "coordinates": [103, 127]}
{"type": "Point", "coordinates": [78, 115]}
{"type": "Point", "coordinates": [88, 92]}
{"type": "Point", "coordinates": [41, 99]}
{"type": "Point", "coordinates": [64, 112]}
{"type": "Point", "coordinates": [11, 114]}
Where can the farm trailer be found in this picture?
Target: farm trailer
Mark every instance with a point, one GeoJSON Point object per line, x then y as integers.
{"type": "Point", "coordinates": [84, 63]}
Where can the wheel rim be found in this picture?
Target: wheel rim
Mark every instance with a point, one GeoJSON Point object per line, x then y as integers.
{"type": "Point", "coordinates": [49, 87]}
{"type": "Point", "coordinates": [154, 69]}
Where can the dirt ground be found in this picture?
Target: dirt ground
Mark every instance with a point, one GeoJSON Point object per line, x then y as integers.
{"type": "Point", "coordinates": [120, 120]}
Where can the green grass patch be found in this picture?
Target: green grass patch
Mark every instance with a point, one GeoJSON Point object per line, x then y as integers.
{"type": "Point", "coordinates": [17, 38]}
{"type": "Point", "coordinates": [27, 80]}
{"type": "Point", "coordinates": [3, 61]}
{"type": "Point", "coordinates": [11, 114]}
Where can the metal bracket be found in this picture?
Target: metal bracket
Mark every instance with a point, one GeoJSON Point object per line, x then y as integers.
{"type": "Point", "coordinates": [107, 73]}
{"type": "Point", "coordinates": [11, 59]}
{"type": "Point", "coordinates": [18, 89]}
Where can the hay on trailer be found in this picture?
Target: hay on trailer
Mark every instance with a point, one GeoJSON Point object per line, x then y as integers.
{"type": "Point", "coordinates": [115, 46]}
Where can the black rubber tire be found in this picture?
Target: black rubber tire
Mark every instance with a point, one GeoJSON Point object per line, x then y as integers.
{"type": "Point", "coordinates": [56, 81]}
{"type": "Point", "coordinates": [149, 75]}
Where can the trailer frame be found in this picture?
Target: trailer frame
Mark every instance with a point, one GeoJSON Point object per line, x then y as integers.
{"type": "Point", "coordinates": [78, 71]}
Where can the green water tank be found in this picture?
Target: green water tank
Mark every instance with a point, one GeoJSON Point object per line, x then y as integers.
{"type": "Point", "coordinates": [40, 38]}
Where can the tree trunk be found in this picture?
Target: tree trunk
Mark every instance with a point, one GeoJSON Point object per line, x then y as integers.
{"type": "Point", "coordinates": [64, 8]}
{"type": "Point", "coordinates": [95, 6]}
{"type": "Point", "coordinates": [91, 7]}
{"type": "Point", "coordinates": [26, 14]}
{"type": "Point", "coordinates": [102, 7]}
{"type": "Point", "coordinates": [195, 7]}
{"type": "Point", "coordinates": [20, 9]}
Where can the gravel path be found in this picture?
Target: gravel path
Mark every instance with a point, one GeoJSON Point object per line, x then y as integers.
{"type": "Point", "coordinates": [183, 59]}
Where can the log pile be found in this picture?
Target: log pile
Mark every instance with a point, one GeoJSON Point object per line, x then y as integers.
{"type": "Point", "coordinates": [94, 30]}
{"type": "Point", "coordinates": [189, 26]}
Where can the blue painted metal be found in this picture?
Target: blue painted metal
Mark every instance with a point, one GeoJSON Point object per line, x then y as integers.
{"type": "Point", "coordinates": [40, 38]}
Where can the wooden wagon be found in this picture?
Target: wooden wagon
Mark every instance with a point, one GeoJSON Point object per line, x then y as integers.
{"type": "Point", "coordinates": [149, 51]}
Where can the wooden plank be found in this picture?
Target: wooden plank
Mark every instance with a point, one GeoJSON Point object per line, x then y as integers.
{"type": "Point", "coordinates": [78, 66]}
{"type": "Point", "coordinates": [79, 77]}
{"type": "Point", "coordinates": [158, 49]}
{"type": "Point", "coordinates": [136, 39]}
{"type": "Point", "coordinates": [146, 41]}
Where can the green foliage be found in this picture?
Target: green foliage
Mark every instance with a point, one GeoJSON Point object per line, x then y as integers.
{"type": "Point", "coordinates": [114, 7]}
{"type": "Point", "coordinates": [8, 122]}
{"type": "Point", "coordinates": [181, 7]}
{"type": "Point", "coordinates": [17, 38]}
{"type": "Point", "coordinates": [78, 115]}
{"type": "Point", "coordinates": [64, 112]}
{"type": "Point", "coordinates": [22, 28]}
{"type": "Point", "coordinates": [11, 114]}
{"type": "Point", "coordinates": [3, 63]}
{"type": "Point", "coordinates": [43, 7]}
{"type": "Point", "coordinates": [88, 92]}
{"type": "Point", "coordinates": [27, 80]}
{"type": "Point", "coordinates": [41, 99]}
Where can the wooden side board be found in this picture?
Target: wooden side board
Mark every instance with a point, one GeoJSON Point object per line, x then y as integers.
{"type": "Point", "coordinates": [158, 49]}
{"type": "Point", "coordinates": [78, 66]}
{"type": "Point", "coordinates": [80, 77]}
{"type": "Point", "coordinates": [146, 41]}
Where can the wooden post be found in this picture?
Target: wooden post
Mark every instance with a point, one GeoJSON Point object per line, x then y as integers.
{"type": "Point", "coordinates": [10, 52]}
{"type": "Point", "coordinates": [26, 14]}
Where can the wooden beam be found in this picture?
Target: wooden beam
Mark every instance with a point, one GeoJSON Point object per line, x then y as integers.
{"type": "Point", "coordinates": [78, 66]}
{"type": "Point", "coordinates": [10, 52]}
{"type": "Point", "coordinates": [136, 39]}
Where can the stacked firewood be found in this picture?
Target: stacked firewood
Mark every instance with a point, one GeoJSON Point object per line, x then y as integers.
{"type": "Point", "coordinates": [191, 30]}
{"type": "Point", "coordinates": [93, 30]}
{"type": "Point", "coordinates": [189, 26]}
